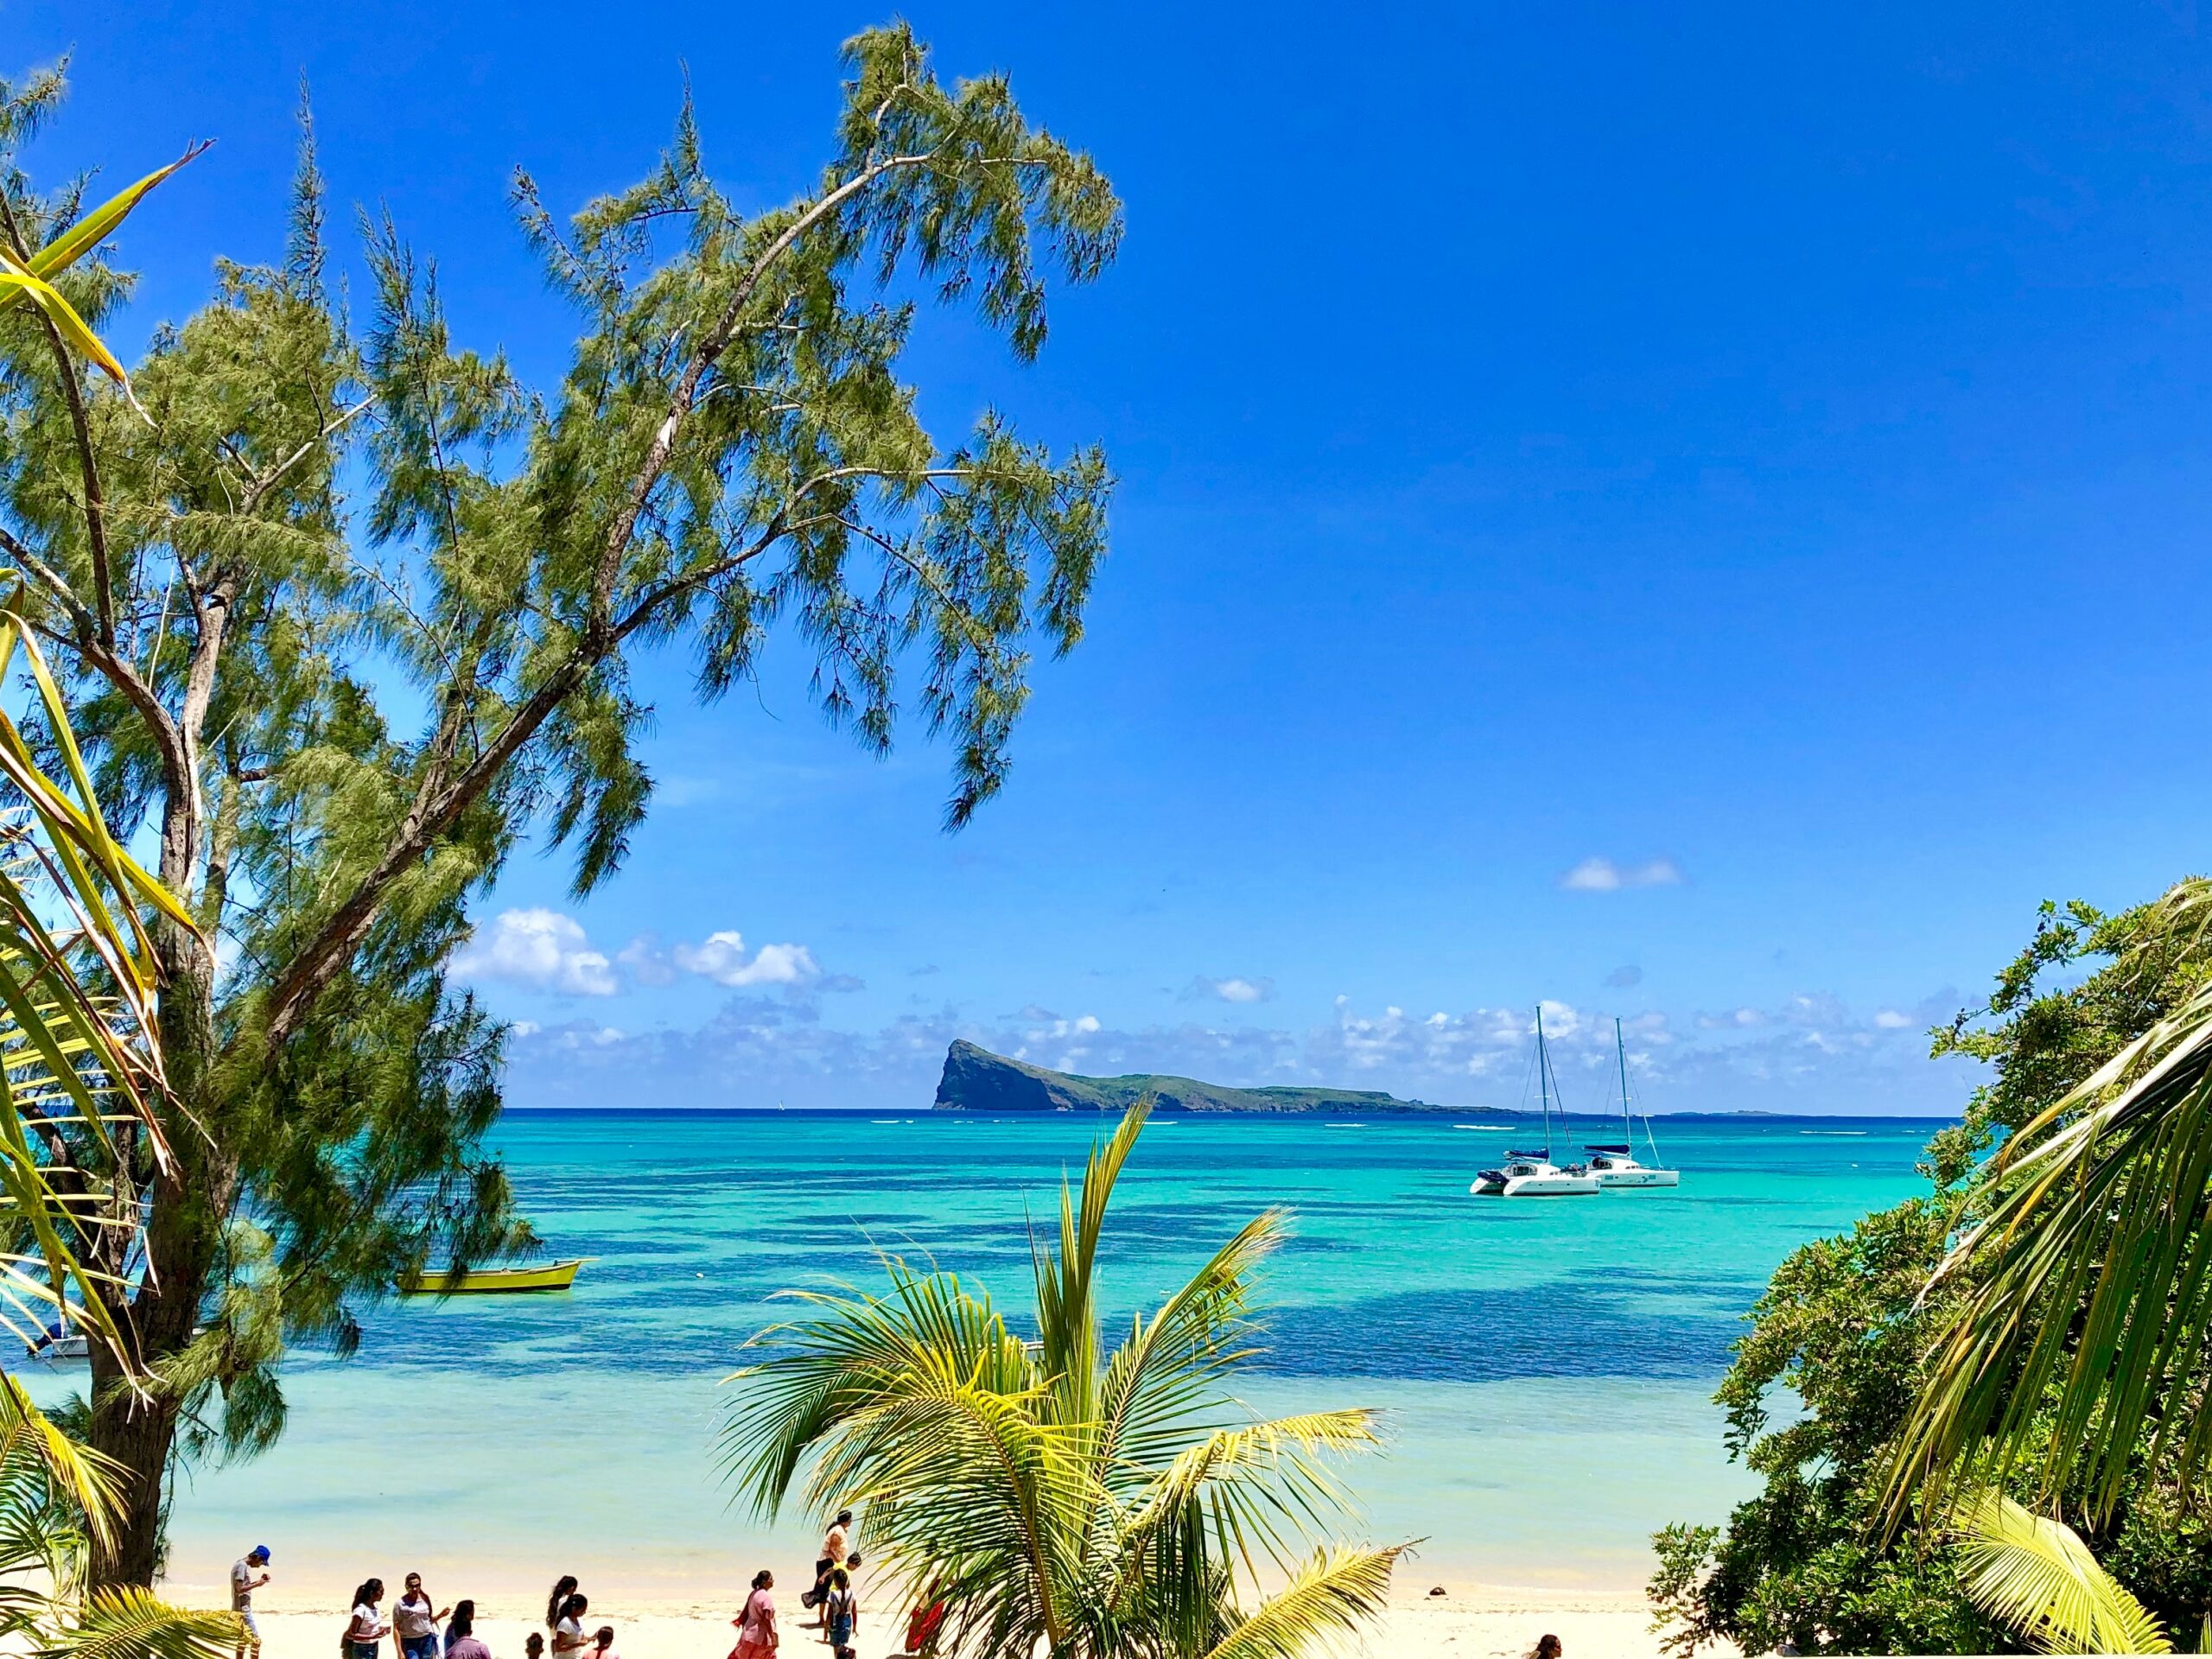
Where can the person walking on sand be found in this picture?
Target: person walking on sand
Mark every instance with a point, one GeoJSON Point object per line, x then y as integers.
{"type": "Point", "coordinates": [415, 1620]}
{"type": "Point", "coordinates": [366, 1630]}
{"type": "Point", "coordinates": [923, 1621]}
{"type": "Point", "coordinates": [841, 1613]}
{"type": "Point", "coordinates": [462, 1640]}
{"type": "Point", "coordinates": [756, 1624]}
{"type": "Point", "coordinates": [563, 1588]}
{"type": "Point", "coordinates": [244, 1583]}
{"type": "Point", "coordinates": [569, 1641]}
{"type": "Point", "coordinates": [833, 1555]}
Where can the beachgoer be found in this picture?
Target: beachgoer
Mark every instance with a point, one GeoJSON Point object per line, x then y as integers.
{"type": "Point", "coordinates": [841, 1613]}
{"type": "Point", "coordinates": [756, 1624]}
{"type": "Point", "coordinates": [462, 1640]}
{"type": "Point", "coordinates": [366, 1630]}
{"type": "Point", "coordinates": [833, 1553]}
{"type": "Point", "coordinates": [563, 1588]}
{"type": "Point", "coordinates": [569, 1641]}
{"type": "Point", "coordinates": [243, 1585]}
{"type": "Point", "coordinates": [603, 1643]}
{"type": "Point", "coordinates": [415, 1620]}
{"type": "Point", "coordinates": [533, 1646]}
{"type": "Point", "coordinates": [1547, 1648]}
{"type": "Point", "coordinates": [924, 1622]}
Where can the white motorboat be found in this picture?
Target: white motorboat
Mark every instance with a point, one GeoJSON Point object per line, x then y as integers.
{"type": "Point", "coordinates": [58, 1342]}
{"type": "Point", "coordinates": [1532, 1175]}
{"type": "Point", "coordinates": [1615, 1165]}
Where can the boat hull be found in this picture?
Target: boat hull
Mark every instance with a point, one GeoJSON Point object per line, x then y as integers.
{"type": "Point", "coordinates": [553, 1275]}
{"type": "Point", "coordinates": [1562, 1186]}
{"type": "Point", "coordinates": [1630, 1177]}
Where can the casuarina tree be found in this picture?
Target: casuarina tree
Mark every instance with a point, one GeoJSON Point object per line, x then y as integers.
{"type": "Point", "coordinates": [348, 612]}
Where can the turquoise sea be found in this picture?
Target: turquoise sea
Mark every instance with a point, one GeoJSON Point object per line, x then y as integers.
{"type": "Point", "coordinates": [1547, 1366]}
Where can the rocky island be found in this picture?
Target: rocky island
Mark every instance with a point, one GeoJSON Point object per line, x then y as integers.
{"type": "Point", "coordinates": [976, 1080]}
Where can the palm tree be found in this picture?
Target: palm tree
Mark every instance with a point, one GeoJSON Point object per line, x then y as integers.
{"type": "Point", "coordinates": [2035, 1574]}
{"type": "Point", "coordinates": [78, 1054]}
{"type": "Point", "coordinates": [79, 1059]}
{"type": "Point", "coordinates": [2078, 1345]}
{"type": "Point", "coordinates": [1058, 1499]}
{"type": "Point", "coordinates": [55, 1497]}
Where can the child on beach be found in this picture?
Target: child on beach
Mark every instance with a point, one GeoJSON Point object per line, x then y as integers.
{"type": "Point", "coordinates": [533, 1646]}
{"type": "Point", "coordinates": [603, 1641]}
{"type": "Point", "coordinates": [841, 1613]}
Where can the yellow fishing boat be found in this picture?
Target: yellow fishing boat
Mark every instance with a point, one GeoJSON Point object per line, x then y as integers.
{"type": "Point", "coordinates": [440, 1282]}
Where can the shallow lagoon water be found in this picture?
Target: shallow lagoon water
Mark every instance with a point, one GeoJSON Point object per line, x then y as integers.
{"type": "Point", "coordinates": [1547, 1366]}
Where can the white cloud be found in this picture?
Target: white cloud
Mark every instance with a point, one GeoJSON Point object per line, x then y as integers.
{"type": "Point", "coordinates": [1603, 875]}
{"type": "Point", "coordinates": [1806, 1053]}
{"type": "Point", "coordinates": [721, 957]}
{"type": "Point", "coordinates": [646, 959]}
{"type": "Point", "coordinates": [541, 949]}
{"type": "Point", "coordinates": [1733, 1020]}
{"type": "Point", "coordinates": [1233, 988]}
{"type": "Point", "coordinates": [1890, 1019]}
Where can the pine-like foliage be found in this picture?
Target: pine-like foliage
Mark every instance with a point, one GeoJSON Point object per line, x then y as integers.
{"type": "Point", "coordinates": [347, 611]}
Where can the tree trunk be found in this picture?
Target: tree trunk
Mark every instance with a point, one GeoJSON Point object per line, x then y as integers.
{"type": "Point", "coordinates": [183, 1238]}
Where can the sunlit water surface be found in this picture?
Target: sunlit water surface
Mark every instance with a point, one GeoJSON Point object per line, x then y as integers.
{"type": "Point", "coordinates": [1547, 1366]}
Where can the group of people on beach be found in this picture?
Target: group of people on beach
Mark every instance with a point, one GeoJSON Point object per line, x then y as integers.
{"type": "Point", "coordinates": [419, 1629]}
{"type": "Point", "coordinates": [414, 1626]}
{"type": "Point", "coordinates": [835, 1599]}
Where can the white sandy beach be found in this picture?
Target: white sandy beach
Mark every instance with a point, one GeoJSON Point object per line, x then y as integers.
{"type": "Point", "coordinates": [1469, 1622]}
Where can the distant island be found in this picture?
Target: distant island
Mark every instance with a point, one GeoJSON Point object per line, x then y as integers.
{"type": "Point", "coordinates": [976, 1080]}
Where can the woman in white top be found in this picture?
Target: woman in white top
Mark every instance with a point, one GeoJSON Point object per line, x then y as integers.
{"type": "Point", "coordinates": [366, 1630]}
{"type": "Point", "coordinates": [415, 1620]}
{"type": "Point", "coordinates": [569, 1641]}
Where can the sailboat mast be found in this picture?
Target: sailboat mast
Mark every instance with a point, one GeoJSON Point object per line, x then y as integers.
{"type": "Point", "coordinates": [1543, 1080]}
{"type": "Point", "coordinates": [1620, 1050]}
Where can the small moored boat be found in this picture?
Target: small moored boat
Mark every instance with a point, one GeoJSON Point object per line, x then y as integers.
{"type": "Point", "coordinates": [444, 1281]}
{"type": "Point", "coordinates": [1615, 1165]}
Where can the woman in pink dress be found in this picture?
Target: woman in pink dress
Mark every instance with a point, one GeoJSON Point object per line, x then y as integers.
{"type": "Point", "coordinates": [756, 1625]}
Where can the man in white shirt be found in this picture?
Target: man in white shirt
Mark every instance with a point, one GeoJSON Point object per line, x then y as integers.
{"type": "Point", "coordinates": [243, 1585]}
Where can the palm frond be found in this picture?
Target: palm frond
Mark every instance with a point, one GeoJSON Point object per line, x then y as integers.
{"type": "Point", "coordinates": [1153, 1400]}
{"type": "Point", "coordinates": [1067, 1318]}
{"type": "Point", "coordinates": [88, 1482]}
{"type": "Point", "coordinates": [2035, 1575]}
{"type": "Point", "coordinates": [2100, 1203]}
{"type": "Point", "coordinates": [1322, 1607]}
{"type": "Point", "coordinates": [126, 1622]}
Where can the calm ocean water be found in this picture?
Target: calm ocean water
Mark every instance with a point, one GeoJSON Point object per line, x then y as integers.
{"type": "Point", "coordinates": [1547, 1366]}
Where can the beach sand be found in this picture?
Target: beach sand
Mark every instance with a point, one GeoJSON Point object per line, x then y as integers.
{"type": "Point", "coordinates": [1470, 1621]}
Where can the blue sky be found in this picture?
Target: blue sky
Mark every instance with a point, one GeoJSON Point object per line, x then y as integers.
{"type": "Point", "coordinates": [1752, 457]}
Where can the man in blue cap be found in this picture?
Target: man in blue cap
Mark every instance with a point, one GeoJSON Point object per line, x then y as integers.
{"type": "Point", "coordinates": [243, 1585]}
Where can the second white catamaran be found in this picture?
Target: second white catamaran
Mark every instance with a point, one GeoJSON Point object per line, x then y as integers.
{"type": "Point", "coordinates": [1617, 1165]}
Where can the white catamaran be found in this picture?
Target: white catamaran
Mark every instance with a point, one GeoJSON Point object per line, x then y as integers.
{"type": "Point", "coordinates": [1532, 1175]}
{"type": "Point", "coordinates": [1617, 1165]}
